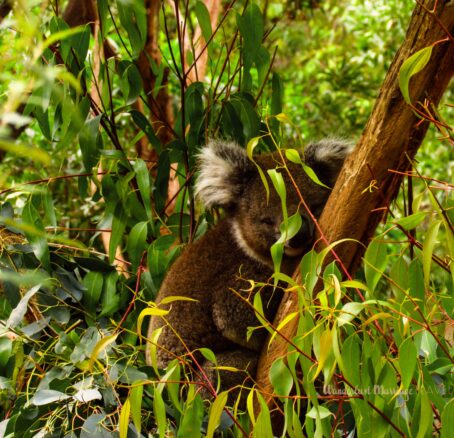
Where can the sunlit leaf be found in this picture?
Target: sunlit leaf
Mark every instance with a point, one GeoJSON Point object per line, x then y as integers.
{"type": "Point", "coordinates": [281, 378]}
{"type": "Point", "coordinates": [124, 419]}
{"type": "Point", "coordinates": [407, 361]}
{"type": "Point", "coordinates": [214, 416]}
{"type": "Point", "coordinates": [428, 249]}
{"type": "Point", "coordinates": [100, 347]}
{"type": "Point", "coordinates": [414, 64]}
{"type": "Point", "coordinates": [135, 398]}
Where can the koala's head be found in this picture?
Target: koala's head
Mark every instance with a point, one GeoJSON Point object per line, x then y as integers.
{"type": "Point", "coordinates": [230, 180]}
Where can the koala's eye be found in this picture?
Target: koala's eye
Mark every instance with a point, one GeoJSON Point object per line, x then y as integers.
{"type": "Point", "coordinates": [267, 221]}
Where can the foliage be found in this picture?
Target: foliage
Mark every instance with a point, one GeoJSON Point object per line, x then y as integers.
{"type": "Point", "coordinates": [375, 350]}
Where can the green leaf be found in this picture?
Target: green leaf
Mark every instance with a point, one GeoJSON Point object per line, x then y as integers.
{"type": "Point", "coordinates": [133, 18]}
{"type": "Point", "coordinates": [132, 83]}
{"type": "Point", "coordinates": [349, 312]}
{"type": "Point", "coordinates": [252, 144]}
{"type": "Point", "coordinates": [447, 419]}
{"type": "Point", "coordinates": [310, 269]}
{"type": "Point", "coordinates": [214, 416]}
{"type": "Point", "coordinates": [249, 119]}
{"type": "Point", "coordinates": [118, 228]}
{"type": "Point", "coordinates": [191, 422]}
{"type": "Point", "coordinates": [425, 414]}
{"type": "Point", "coordinates": [319, 412]}
{"type": "Point", "coordinates": [172, 377]}
{"type": "Point", "coordinates": [48, 206]}
{"type": "Point", "coordinates": [47, 396]}
{"type": "Point", "coordinates": [17, 314]}
{"type": "Point", "coordinates": [414, 64]}
{"type": "Point", "coordinates": [263, 428]}
{"type": "Point", "coordinates": [80, 42]}
{"type": "Point", "coordinates": [416, 282]}
{"type": "Point", "coordinates": [124, 419]}
{"type": "Point", "coordinates": [251, 27]}
{"type": "Point", "coordinates": [279, 185]}
{"type": "Point", "coordinates": [100, 347]}
{"type": "Point", "coordinates": [412, 221]}
{"type": "Point", "coordinates": [194, 104]}
{"type": "Point", "coordinates": [103, 11]}
{"type": "Point", "coordinates": [143, 182]}
{"type": "Point", "coordinates": [277, 96]}
{"type": "Point", "coordinates": [6, 346]}
{"type": "Point", "coordinates": [136, 405]}
{"type": "Point", "coordinates": [281, 378]}
{"type": "Point", "coordinates": [59, 36]}
{"type": "Point", "coordinates": [428, 249]}
{"type": "Point", "coordinates": [161, 183]}
{"type": "Point", "coordinates": [159, 413]}
{"type": "Point", "coordinates": [88, 143]}
{"type": "Point", "coordinates": [203, 17]}
{"type": "Point", "coordinates": [93, 283]}
{"type": "Point", "coordinates": [294, 156]}
{"type": "Point", "coordinates": [110, 302]}
{"type": "Point", "coordinates": [277, 253]}
{"type": "Point", "coordinates": [142, 122]}
{"type": "Point", "coordinates": [290, 227]}
{"type": "Point", "coordinates": [323, 349]}
{"type": "Point", "coordinates": [36, 234]}
{"type": "Point", "coordinates": [407, 361]}
{"type": "Point", "coordinates": [208, 355]}
{"type": "Point", "coordinates": [375, 263]}
{"type": "Point", "coordinates": [351, 359]}
{"type": "Point", "coordinates": [262, 62]}
{"type": "Point", "coordinates": [23, 150]}
{"type": "Point", "coordinates": [137, 241]}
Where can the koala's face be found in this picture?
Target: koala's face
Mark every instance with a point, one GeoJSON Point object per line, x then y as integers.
{"type": "Point", "coordinates": [229, 179]}
{"type": "Point", "coordinates": [257, 223]}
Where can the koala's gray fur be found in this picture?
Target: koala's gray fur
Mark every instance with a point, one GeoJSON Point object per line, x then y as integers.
{"type": "Point", "coordinates": [238, 249]}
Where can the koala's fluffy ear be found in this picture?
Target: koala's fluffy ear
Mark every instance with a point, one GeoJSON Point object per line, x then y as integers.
{"type": "Point", "coordinates": [224, 169]}
{"type": "Point", "coordinates": [326, 158]}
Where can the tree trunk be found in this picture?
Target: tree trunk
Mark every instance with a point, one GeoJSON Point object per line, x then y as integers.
{"type": "Point", "coordinates": [390, 140]}
{"type": "Point", "coordinates": [196, 44]}
{"type": "Point", "coordinates": [162, 116]}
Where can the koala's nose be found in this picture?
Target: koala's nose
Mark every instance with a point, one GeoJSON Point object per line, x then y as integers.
{"type": "Point", "coordinates": [304, 235]}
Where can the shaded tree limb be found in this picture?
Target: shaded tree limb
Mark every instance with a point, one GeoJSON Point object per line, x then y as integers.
{"type": "Point", "coordinates": [5, 8]}
{"type": "Point", "coordinates": [390, 140]}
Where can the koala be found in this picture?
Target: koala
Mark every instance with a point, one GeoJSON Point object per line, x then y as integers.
{"type": "Point", "coordinates": [214, 270]}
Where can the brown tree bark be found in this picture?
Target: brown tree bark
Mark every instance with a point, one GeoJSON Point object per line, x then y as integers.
{"type": "Point", "coordinates": [390, 140]}
{"type": "Point", "coordinates": [196, 45]}
{"type": "Point", "coordinates": [161, 106]}
{"type": "Point", "coordinates": [78, 13]}
{"type": "Point", "coordinates": [5, 8]}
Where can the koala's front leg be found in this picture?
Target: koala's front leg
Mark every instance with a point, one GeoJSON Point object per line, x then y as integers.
{"type": "Point", "coordinates": [232, 317]}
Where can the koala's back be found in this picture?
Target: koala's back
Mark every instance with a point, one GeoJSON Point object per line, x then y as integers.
{"type": "Point", "coordinates": [208, 271]}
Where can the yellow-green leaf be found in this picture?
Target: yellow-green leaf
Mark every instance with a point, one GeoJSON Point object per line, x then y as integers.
{"type": "Point", "coordinates": [152, 347]}
{"type": "Point", "coordinates": [100, 346]}
{"type": "Point", "coordinates": [216, 409]}
{"type": "Point", "coordinates": [252, 143]}
{"type": "Point", "coordinates": [282, 324]}
{"type": "Point", "coordinates": [414, 64]}
{"type": "Point", "coordinates": [124, 419]}
{"type": "Point", "coordinates": [172, 298]}
{"type": "Point", "coordinates": [136, 405]}
{"type": "Point", "coordinates": [428, 249]}
{"type": "Point", "coordinates": [150, 311]}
